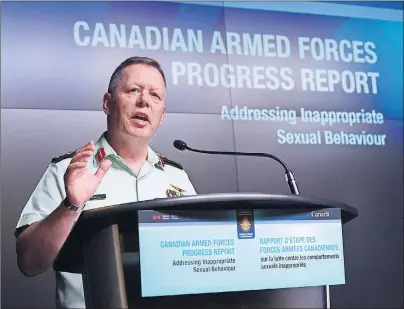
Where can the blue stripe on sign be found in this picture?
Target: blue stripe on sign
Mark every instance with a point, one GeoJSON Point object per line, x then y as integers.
{"type": "Point", "coordinates": [176, 224]}
{"type": "Point", "coordinates": [318, 8]}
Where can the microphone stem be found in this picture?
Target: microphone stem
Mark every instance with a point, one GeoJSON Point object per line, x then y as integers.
{"type": "Point", "coordinates": [290, 178]}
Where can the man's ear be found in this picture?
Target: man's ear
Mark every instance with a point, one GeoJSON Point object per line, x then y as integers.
{"type": "Point", "coordinates": [106, 104]}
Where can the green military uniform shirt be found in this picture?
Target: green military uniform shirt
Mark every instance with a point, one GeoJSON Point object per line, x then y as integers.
{"type": "Point", "coordinates": [158, 178]}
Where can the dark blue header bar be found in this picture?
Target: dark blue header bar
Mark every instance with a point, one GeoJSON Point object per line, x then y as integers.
{"type": "Point", "coordinates": [260, 215]}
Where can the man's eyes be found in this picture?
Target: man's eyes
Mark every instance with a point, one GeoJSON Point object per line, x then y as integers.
{"type": "Point", "coordinates": [154, 94]}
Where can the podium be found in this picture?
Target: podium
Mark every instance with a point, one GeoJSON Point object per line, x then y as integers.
{"type": "Point", "coordinates": [104, 247]}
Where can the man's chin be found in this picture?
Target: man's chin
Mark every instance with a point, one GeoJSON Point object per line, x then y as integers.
{"type": "Point", "coordinates": [140, 133]}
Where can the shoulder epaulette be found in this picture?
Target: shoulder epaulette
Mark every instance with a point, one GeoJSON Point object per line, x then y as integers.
{"type": "Point", "coordinates": [65, 156]}
{"type": "Point", "coordinates": [170, 162]}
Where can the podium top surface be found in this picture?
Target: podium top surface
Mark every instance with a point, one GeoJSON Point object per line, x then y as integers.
{"type": "Point", "coordinates": [218, 201]}
{"type": "Point", "coordinates": [93, 220]}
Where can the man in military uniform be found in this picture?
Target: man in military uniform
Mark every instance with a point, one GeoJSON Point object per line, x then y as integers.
{"type": "Point", "coordinates": [118, 168]}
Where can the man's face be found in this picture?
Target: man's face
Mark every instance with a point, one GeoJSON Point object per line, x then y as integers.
{"type": "Point", "coordinates": [139, 103]}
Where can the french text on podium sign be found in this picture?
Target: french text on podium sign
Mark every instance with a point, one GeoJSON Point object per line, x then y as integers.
{"type": "Point", "coordinates": [196, 252]}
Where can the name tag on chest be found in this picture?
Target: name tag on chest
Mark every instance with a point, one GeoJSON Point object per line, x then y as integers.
{"type": "Point", "coordinates": [98, 197]}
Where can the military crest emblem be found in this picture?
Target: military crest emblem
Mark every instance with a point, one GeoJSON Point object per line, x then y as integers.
{"type": "Point", "coordinates": [245, 225]}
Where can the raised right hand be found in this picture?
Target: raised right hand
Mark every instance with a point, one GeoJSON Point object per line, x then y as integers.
{"type": "Point", "coordinates": [80, 183]}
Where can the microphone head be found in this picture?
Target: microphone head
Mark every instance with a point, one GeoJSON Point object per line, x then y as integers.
{"type": "Point", "coordinates": [180, 145]}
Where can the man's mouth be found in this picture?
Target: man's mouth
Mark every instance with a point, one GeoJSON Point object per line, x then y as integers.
{"type": "Point", "coordinates": [141, 116]}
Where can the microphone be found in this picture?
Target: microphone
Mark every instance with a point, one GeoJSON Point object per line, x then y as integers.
{"type": "Point", "coordinates": [290, 177]}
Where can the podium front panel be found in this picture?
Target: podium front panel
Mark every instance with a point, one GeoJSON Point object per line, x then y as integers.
{"type": "Point", "coordinates": [114, 271]}
{"type": "Point", "coordinates": [293, 297]}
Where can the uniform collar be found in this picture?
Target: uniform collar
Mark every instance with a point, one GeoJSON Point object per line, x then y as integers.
{"type": "Point", "coordinates": [104, 150]}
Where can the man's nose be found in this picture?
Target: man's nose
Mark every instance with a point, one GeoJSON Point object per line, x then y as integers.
{"type": "Point", "coordinates": [143, 99]}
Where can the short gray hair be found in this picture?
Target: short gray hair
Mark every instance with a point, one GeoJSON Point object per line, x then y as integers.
{"type": "Point", "coordinates": [116, 76]}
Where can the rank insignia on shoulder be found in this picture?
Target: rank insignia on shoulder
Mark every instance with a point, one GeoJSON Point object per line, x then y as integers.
{"type": "Point", "coordinates": [164, 160]}
{"type": "Point", "coordinates": [67, 155]}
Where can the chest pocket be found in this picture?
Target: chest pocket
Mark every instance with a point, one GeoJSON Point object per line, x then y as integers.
{"type": "Point", "coordinates": [117, 187]}
{"type": "Point", "coordinates": [151, 187]}
{"type": "Point", "coordinates": [159, 184]}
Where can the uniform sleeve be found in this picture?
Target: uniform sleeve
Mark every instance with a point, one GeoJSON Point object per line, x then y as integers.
{"type": "Point", "coordinates": [46, 197]}
{"type": "Point", "coordinates": [188, 186]}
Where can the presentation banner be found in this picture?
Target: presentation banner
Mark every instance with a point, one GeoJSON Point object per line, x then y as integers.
{"type": "Point", "coordinates": [306, 79]}
{"type": "Point", "coordinates": [193, 252]}
{"type": "Point", "coordinates": [256, 63]}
